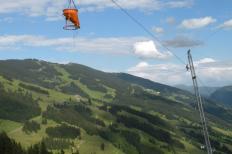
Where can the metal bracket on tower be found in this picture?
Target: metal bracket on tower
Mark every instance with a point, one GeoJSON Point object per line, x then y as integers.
{"type": "Point", "coordinates": [199, 103]}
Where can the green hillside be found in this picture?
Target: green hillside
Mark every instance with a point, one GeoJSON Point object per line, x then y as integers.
{"type": "Point", "coordinates": [82, 110]}
{"type": "Point", "coordinates": [223, 96]}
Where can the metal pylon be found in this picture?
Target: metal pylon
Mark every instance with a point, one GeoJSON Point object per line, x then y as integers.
{"type": "Point", "coordinates": [199, 103]}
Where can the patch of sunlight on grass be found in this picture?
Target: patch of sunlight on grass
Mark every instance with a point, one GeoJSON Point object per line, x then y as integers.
{"type": "Point", "coordinates": [189, 148]}
{"type": "Point", "coordinates": [7, 125]}
{"type": "Point", "coordinates": [29, 139]}
{"type": "Point", "coordinates": [95, 142]}
{"type": "Point", "coordinates": [223, 131]}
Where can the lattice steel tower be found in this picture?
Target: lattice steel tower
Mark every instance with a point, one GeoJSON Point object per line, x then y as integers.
{"type": "Point", "coordinates": [199, 103]}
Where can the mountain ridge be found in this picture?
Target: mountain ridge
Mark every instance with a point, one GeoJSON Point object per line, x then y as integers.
{"type": "Point", "coordinates": [205, 91]}
{"type": "Point", "coordinates": [127, 114]}
{"type": "Point", "coordinates": [223, 96]}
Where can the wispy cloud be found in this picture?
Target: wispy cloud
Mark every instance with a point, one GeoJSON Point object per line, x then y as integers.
{"type": "Point", "coordinates": [138, 46]}
{"type": "Point", "coordinates": [143, 5]}
{"type": "Point", "coordinates": [210, 71]}
{"type": "Point", "coordinates": [33, 8]}
{"type": "Point", "coordinates": [182, 42]}
{"type": "Point", "coordinates": [226, 25]}
{"type": "Point", "coordinates": [163, 73]}
{"type": "Point", "coordinates": [52, 9]}
{"type": "Point", "coordinates": [179, 3]}
{"type": "Point", "coordinates": [171, 20]}
{"type": "Point", "coordinates": [111, 45]}
{"type": "Point", "coordinates": [158, 30]}
{"type": "Point", "coordinates": [204, 61]}
{"type": "Point", "coordinates": [197, 22]}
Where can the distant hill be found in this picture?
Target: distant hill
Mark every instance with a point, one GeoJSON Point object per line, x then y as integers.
{"type": "Point", "coordinates": [82, 110]}
{"type": "Point", "coordinates": [223, 95]}
{"type": "Point", "coordinates": [205, 91]}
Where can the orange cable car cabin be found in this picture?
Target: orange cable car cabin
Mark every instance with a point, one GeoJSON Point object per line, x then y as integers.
{"type": "Point", "coordinates": [71, 16]}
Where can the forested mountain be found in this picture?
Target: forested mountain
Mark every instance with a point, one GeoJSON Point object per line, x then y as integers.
{"type": "Point", "coordinates": [83, 110]}
{"type": "Point", "coordinates": [205, 91]}
{"type": "Point", "coordinates": [223, 96]}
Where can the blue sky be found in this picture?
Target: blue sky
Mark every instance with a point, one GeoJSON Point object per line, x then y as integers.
{"type": "Point", "coordinates": [110, 41]}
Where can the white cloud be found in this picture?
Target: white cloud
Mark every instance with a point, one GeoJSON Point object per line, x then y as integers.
{"type": "Point", "coordinates": [52, 9]}
{"type": "Point", "coordinates": [205, 61]}
{"type": "Point", "coordinates": [197, 22]}
{"type": "Point", "coordinates": [144, 5]}
{"type": "Point", "coordinates": [148, 49]}
{"type": "Point", "coordinates": [215, 72]}
{"type": "Point", "coordinates": [142, 65]}
{"type": "Point", "coordinates": [163, 73]}
{"type": "Point", "coordinates": [179, 3]}
{"type": "Point", "coordinates": [210, 71]}
{"type": "Point", "coordinates": [226, 24]}
{"type": "Point", "coordinates": [158, 30]}
{"type": "Point", "coordinates": [112, 45]}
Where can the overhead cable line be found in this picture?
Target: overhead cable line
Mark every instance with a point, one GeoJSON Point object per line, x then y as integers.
{"type": "Point", "coordinates": [196, 88]}
{"type": "Point", "coordinates": [152, 35]}
{"type": "Point", "coordinates": [146, 30]}
{"type": "Point", "coordinates": [213, 34]}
